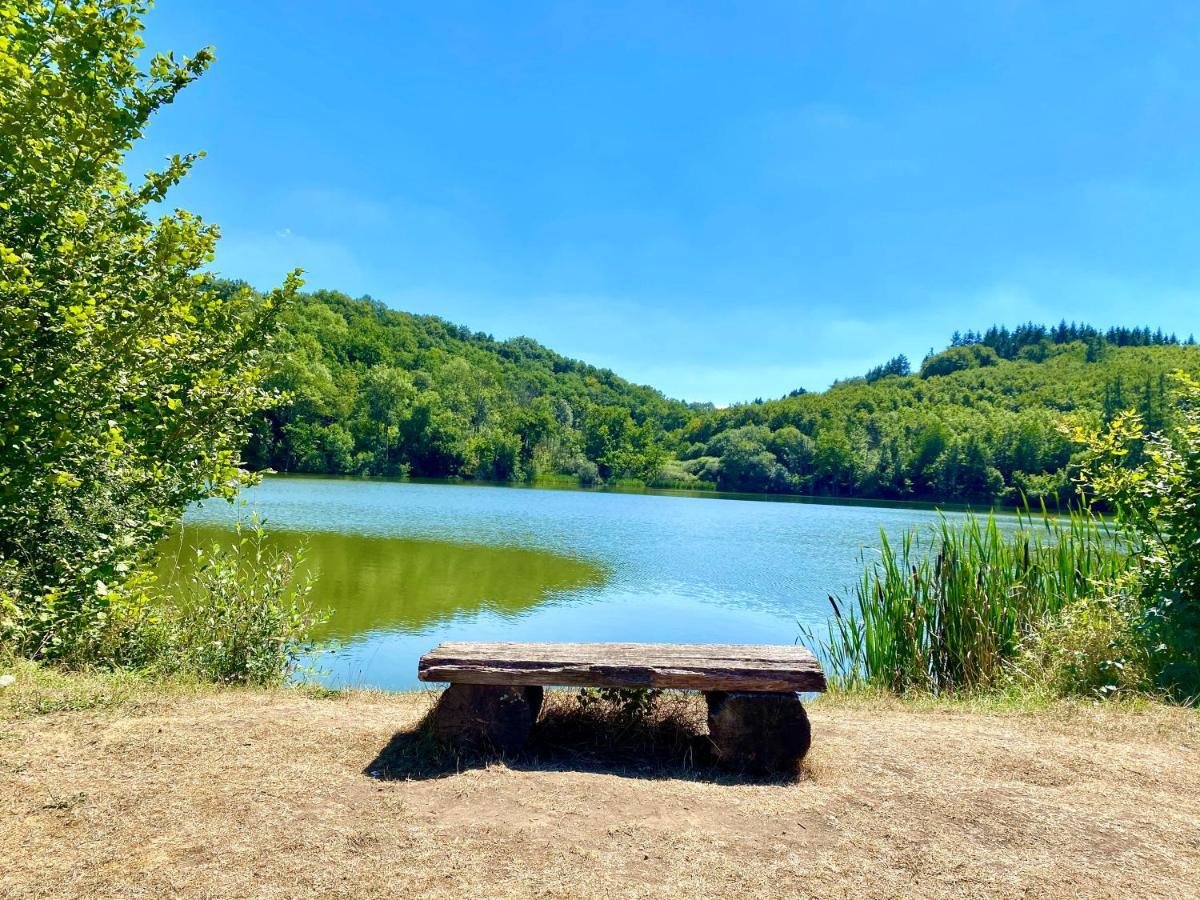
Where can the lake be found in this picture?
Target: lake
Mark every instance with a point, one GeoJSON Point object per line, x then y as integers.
{"type": "Point", "coordinates": [402, 566]}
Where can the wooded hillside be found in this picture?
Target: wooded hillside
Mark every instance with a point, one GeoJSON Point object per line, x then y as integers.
{"type": "Point", "coordinates": [371, 390]}
{"type": "Point", "coordinates": [377, 391]}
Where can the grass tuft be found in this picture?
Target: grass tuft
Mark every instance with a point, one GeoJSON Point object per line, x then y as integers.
{"type": "Point", "coordinates": [40, 689]}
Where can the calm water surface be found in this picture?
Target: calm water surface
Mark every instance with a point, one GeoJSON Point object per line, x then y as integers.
{"type": "Point", "coordinates": [403, 566]}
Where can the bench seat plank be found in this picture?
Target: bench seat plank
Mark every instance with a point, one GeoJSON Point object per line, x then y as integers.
{"type": "Point", "coordinates": [705, 667]}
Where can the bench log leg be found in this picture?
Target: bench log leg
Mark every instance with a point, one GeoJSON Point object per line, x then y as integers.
{"type": "Point", "coordinates": [758, 731]}
{"type": "Point", "coordinates": [487, 716]}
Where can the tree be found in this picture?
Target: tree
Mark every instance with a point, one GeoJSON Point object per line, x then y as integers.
{"type": "Point", "coordinates": [470, 393]}
{"type": "Point", "coordinates": [126, 378]}
{"type": "Point", "coordinates": [834, 461]}
{"type": "Point", "coordinates": [1096, 347]}
{"type": "Point", "coordinates": [964, 470]}
{"type": "Point", "coordinates": [745, 462]}
{"type": "Point", "coordinates": [958, 358]}
{"type": "Point", "coordinates": [794, 450]}
{"type": "Point", "coordinates": [896, 366]}
{"type": "Point", "coordinates": [607, 430]}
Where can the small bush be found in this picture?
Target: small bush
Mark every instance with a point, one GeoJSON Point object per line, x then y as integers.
{"type": "Point", "coordinates": [241, 617]}
{"type": "Point", "coordinates": [628, 705]}
{"type": "Point", "coordinates": [584, 469]}
{"type": "Point", "coordinates": [244, 616]}
{"type": "Point", "coordinates": [1089, 649]}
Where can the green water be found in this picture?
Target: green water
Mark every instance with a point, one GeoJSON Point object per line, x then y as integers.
{"type": "Point", "coordinates": [367, 583]}
{"type": "Point", "coordinates": [402, 566]}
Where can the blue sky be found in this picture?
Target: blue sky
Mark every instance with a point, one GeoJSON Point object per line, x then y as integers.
{"type": "Point", "coordinates": [724, 200]}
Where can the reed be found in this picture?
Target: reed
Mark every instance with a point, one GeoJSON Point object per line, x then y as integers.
{"type": "Point", "coordinates": [946, 607]}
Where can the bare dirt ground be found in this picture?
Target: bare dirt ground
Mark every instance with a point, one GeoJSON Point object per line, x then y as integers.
{"type": "Point", "coordinates": [279, 794]}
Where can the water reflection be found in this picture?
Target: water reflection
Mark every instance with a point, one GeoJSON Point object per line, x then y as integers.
{"type": "Point", "coordinates": [370, 583]}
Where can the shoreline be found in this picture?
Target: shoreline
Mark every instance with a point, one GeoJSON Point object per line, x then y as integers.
{"type": "Point", "coordinates": [689, 493]}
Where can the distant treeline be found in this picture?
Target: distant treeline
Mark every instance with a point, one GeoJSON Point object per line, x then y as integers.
{"type": "Point", "coordinates": [374, 391]}
{"type": "Point", "coordinates": [1009, 344]}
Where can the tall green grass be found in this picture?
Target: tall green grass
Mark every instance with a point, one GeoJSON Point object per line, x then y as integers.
{"type": "Point", "coordinates": [948, 607]}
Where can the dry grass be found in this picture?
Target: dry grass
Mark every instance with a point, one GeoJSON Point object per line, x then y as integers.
{"type": "Point", "coordinates": [268, 794]}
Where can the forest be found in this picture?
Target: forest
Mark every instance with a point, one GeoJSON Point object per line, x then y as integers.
{"type": "Point", "coordinates": [363, 389]}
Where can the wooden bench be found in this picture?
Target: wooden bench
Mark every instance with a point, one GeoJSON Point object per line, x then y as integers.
{"type": "Point", "coordinates": [755, 717]}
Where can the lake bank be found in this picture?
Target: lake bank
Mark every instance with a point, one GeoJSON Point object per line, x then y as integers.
{"type": "Point", "coordinates": [636, 487]}
{"type": "Point", "coordinates": [196, 791]}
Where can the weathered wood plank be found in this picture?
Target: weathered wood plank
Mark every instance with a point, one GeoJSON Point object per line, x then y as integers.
{"type": "Point", "coordinates": [706, 667]}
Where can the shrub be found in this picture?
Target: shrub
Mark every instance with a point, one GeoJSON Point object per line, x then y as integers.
{"type": "Point", "coordinates": [241, 616]}
{"type": "Point", "coordinates": [582, 468]}
{"type": "Point", "coordinates": [1159, 501]}
{"type": "Point", "coordinates": [244, 616]}
{"type": "Point", "coordinates": [626, 705]}
{"type": "Point", "coordinates": [1089, 648]}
